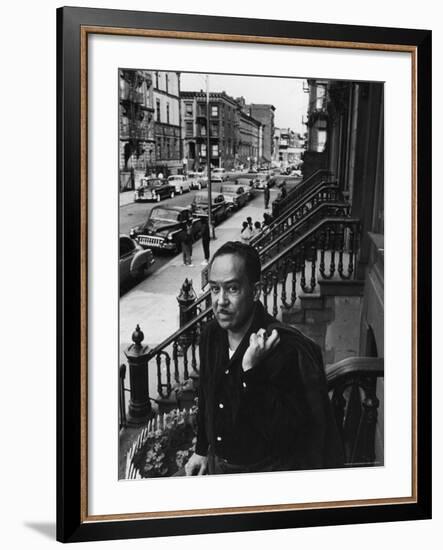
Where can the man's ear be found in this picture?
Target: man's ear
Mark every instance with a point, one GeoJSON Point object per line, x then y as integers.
{"type": "Point", "coordinates": [257, 291]}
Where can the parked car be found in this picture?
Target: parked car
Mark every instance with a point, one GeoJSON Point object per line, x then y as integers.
{"type": "Point", "coordinates": [248, 184]}
{"type": "Point", "coordinates": [180, 183]}
{"type": "Point", "coordinates": [153, 189]}
{"type": "Point", "coordinates": [219, 208]}
{"type": "Point", "coordinates": [134, 260]}
{"type": "Point", "coordinates": [164, 228]}
{"type": "Point", "coordinates": [219, 173]}
{"type": "Point", "coordinates": [260, 181]}
{"type": "Point", "coordinates": [235, 195]}
{"type": "Point", "coordinates": [197, 180]}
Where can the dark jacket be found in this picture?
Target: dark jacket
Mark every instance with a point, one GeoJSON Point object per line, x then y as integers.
{"type": "Point", "coordinates": [283, 400]}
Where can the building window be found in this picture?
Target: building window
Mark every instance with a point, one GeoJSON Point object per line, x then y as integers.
{"type": "Point", "coordinates": [157, 104]}
{"type": "Point", "coordinates": [167, 82]}
{"type": "Point", "coordinates": [189, 129]}
{"type": "Point", "coordinates": [214, 110]}
{"type": "Point", "coordinates": [188, 109]}
{"type": "Point", "coordinates": [167, 113]}
{"type": "Point", "coordinates": [168, 148]}
{"type": "Point", "coordinates": [203, 130]}
{"type": "Point", "coordinates": [203, 149]}
{"type": "Point", "coordinates": [159, 149]}
{"type": "Point", "coordinates": [214, 150]}
{"type": "Point", "coordinates": [156, 79]}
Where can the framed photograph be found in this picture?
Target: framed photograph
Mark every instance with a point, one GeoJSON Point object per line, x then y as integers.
{"type": "Point", "coordinates": [227, 314]}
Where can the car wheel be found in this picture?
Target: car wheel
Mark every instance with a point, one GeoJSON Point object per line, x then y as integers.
{"type": "Point", "coordinates": [199, 186]}
{"type": "Point", "coordinates": [181, 191]}
{"type": "Point", "coordinates": [172, 195]}
{"type": "Point", "coordinates": [158, 198]}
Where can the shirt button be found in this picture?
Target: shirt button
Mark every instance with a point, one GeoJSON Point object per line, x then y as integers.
{"type": "Point", "coordinates": [244, 384]}
{"type": "Point", "coordinates": [219, 438]}
{"type": "Point", "coordinates": [227, 371]}
{"type": "Point", "coordinates": [220, 405]}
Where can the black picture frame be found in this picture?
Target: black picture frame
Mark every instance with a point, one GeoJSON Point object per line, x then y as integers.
{"type": "Point", "coordinates": [72, 519]}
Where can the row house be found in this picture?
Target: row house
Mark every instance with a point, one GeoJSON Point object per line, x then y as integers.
{"type": "Point", "coordinates": [136, 129]}
{"type": "Point", "coordinates": [264, 113]}
{"type": "Point", "coordinates": [221, 125]}
{"type": "Point", "coordinates": [150, 130]}
{"type": "Point", "coordinates": [166, 97]}
{"type": "Point", "coordinates": [346, 140]}
{"type": "Point", "coordinates": [315, 156]}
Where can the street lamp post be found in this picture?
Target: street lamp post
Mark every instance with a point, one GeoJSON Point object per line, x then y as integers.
{"type": "Point", "coordinates": [208, 162]}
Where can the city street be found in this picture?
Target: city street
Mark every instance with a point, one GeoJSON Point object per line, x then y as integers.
{"type": "Point", "coordinates": [132, 214]}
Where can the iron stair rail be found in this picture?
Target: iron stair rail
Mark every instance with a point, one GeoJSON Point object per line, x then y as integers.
{"type": "Point", "coordinates": [282, 205]}
{"type": "Point", "coordinates": [352, 385]}
{"type": "Point", "coordinates": [312, 193]}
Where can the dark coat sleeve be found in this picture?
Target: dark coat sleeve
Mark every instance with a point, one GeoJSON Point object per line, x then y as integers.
{"type": "Point", "coordinates": [295, 416]}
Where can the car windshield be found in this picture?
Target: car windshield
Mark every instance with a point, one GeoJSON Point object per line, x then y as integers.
{"type": "Point", "coordinates": [172, 178]}
{"type": "Point", "coordinates": [164, 214]}
{"type": "Point", "coordinates": [232, 190]}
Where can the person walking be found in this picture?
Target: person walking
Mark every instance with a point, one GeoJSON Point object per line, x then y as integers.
{"type": "Point", "coordinates": [206, 237]}
{"type": "Point", "coordinates": [267, 195]}
{"type": "Point", "coordinates": [187, 244]}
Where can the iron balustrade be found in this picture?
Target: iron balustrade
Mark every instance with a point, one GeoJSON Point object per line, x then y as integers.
{"type": "Point", "coordinates": [280, 206]}
{"type": "Point", "coordinates": [352, 385]}
{"type": "Point", "coordinates": [326, 241]}
{"type": "Point", "coordinates": [321, 192]}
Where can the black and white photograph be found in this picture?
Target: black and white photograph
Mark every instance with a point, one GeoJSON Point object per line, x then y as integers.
{"type": "Point", "coordinates": [251, 273]}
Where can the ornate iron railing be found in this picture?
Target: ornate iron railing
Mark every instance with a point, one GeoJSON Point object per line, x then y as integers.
{"type": "Point", "coordinates": [319, 193]}
{"type": "Point", "coordinates": [352, 385]}
{"type": "Point", "coordinates": [280, 206]}
{"type": "Point", "coordinates": [331, 244]}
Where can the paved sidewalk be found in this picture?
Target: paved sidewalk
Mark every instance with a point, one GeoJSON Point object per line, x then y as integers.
{"type": "Point", "coordinates": [153, 303]}
{"type": "Point", "coordinates": [126, 197]}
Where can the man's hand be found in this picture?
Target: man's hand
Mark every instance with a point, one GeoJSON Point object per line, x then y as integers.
{"type": "Point", "coordinates": [196, 465]}
{"type": "Point", "coordinates": [259, 346]}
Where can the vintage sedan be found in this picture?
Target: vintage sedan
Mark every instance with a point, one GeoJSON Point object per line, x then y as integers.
{"type": "Point", "coordinates": [154, 189]}
{"type": "Point", "coordinates": [219, 208]}
{"type": "Point", "coordinates": [248, 184]}
{"type": "Point", "coordinates": [164, 228]}
{"type": "Point", "coordinates": [197, 180]}
{"type": "Point", "coordinates": [180, 183]}
{"type": "Point", "coordinates": [235, 195]}
{"type": "Point", "coordinates": [134, 260]}
{"type": "Point", "coordinates": [219, 173]}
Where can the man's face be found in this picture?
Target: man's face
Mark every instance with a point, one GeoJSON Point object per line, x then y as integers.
{"type": "Point", "coordinates": [233, 296]}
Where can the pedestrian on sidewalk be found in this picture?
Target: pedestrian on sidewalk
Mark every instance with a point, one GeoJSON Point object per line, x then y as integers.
{"type": "Point", "coordinates": [256, 229]}
{"type": "Point", "coordinates": [284, 191]}
{"type": "Point", "coordinates": [246, 233]}
{"type": "Point", "coordinates": [187, 244]}
{"type": "Point", "coordinates": [206, 237]}
{"type": "Point", "coordinates": [267, 195]}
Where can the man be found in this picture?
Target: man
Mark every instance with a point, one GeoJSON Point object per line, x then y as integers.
{"type": "Point", "coordinates": [263, 402]}
{"type": "Point", "coordinates": [206, 239]}
{"type": "Point", "coordinates": [266, 195]}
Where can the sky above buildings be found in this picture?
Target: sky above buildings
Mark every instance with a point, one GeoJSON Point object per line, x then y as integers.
{"type": "Point", "coordinates": [286, 94]}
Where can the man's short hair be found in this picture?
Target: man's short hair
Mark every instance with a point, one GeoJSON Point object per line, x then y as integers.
{"type": "Point", "coordinates": [247, 252]}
